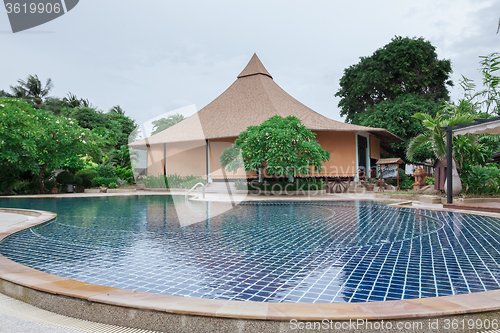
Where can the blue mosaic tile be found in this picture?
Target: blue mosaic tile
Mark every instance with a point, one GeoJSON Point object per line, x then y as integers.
{"type": "Point", "coordinates": [319, 252]}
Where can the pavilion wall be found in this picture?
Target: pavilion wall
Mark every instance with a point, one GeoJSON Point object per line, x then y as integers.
{"type": "Point", "coordinates": [183, 158]}
{"type": "Point", "coordinates": [374, 147]}
{"type": "Point", "coordinates": [189, 158]}
{"type": "Point", "coordinates": [217, 146]}
{"type": "Point", "coordinates": [155, 160]}
{"type": "Point", "coordinates": [342, 146]}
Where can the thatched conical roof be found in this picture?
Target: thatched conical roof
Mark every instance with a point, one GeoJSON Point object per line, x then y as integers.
{"type": "Point", "coordinates": [252, 99]}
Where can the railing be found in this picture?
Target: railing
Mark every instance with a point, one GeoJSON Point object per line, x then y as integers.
{"type": "Point", "coordinates": [194, 187]}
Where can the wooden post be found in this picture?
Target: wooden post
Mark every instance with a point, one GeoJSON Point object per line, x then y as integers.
{"type": "Point", "coordinates": [397, 188]}
{"type": "Point", "coordinates": [449, 165]}
{"type": "Point", "coordinates": [165, 159]}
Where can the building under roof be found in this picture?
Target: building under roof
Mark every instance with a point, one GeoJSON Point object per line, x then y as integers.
{"type": "Point", "coordinates": [194, 145]}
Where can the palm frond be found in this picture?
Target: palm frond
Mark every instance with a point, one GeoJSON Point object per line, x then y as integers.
{"type": "Point", "coordinates": [439, 145]}
{"type": "Point", "coordinates": [415, 143]}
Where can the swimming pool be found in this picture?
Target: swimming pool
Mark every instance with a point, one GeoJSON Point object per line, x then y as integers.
{"type": "Point", "coordinates": [314, 252]}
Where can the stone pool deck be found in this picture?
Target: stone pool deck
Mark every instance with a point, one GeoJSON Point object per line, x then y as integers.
{"type": "Point", "coordinates": [181, 314]}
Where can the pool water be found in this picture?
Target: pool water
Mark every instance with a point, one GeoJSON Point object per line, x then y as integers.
{"type": "Point", "coordinates": [316, 252]}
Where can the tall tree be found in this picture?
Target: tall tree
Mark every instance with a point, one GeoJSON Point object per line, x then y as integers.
{"type": "Point", "coordinates": [121, 126]}
{"type": "Point", "coordinates": [404, 66]}
{"type": "Point", "coordinates": [400, 79]}
{"type": "Point", "coordinates": [33, 88]}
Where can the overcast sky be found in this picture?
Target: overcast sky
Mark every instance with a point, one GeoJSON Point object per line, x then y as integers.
{"type": "Point", "coordinates": [156, 56]}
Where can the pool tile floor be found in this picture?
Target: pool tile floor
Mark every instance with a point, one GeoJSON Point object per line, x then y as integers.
{"type": "Point", "coordinates": [307, 252]}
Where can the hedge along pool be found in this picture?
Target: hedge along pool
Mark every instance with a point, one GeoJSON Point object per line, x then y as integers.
{"type": "Point", "coordinates": [314, 252]}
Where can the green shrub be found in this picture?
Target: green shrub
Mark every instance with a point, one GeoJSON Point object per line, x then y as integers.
{"type": "Point", "coordinates": [122, 183]}
{"type": "Point", "coordinates": [103, 181]}
{"type": "Point", "coordinates": [307, 184]}
{"type": "Point", "coordinates": [241, 185]}
{"type": "Point", "coordinates": [190, 181]}
{"type": "Point", "coordinates": [482, 180]}
{"type": "Point", "coordinates": [87, 175]}
{"type": "Point", "coordinates": [174, 181]}
{"type": "Point", "coordinates": [429, 180]}
{"type": "Point", "coordinates": [125, 174]}
{"type": "Point", "coordinates": [153, 181]}
{"type": "Point", "coordinates": [21, 187]}
{"type": "Point", "coordinates": [112, 185]}
{"type": "Point", "coordinates": [77, 181]}
{"type": "Point", "coordinates": [405, 181]}
{"type": "Point", "coordinates": [106, 171]}
{"type": "Point", "coordinates": [49, 185]}
{"type": "Point", "coordinates": [65, 178]}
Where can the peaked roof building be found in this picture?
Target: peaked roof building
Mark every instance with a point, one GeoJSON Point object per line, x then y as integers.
{"type": "Point", "coordinates": [194, 146]}
{"type": "Point", "coordinates": [253, 98]}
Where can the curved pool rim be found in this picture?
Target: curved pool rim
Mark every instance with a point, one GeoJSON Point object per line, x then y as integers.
{"type": "Point", "coordinates": [32, 279]}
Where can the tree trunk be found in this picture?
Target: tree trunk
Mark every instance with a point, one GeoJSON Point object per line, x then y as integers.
{"type": "Point", "coordinates": [456, 182]}
{"type": "Point", "coordinates": [41, 190]}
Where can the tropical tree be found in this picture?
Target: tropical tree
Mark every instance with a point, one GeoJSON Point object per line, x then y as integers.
{"type": "Point", "coordinates": [435, 136]}
{"type": "Point", "coordinates": [86, 117]}
{"type": "Point", "coordinates": [487, 99]}
{"type": "Point", "coordinates": [164, 123]}
{"type": "Point", "coordinates": [404, 66]}
{"type": "Point", "coordinates": [120, 157]}
{"type": "Point", "coordinates": [53, 105]}
{"type": "Point", "coordinates": [283, 145]}
{"type": "Point", "coordinates": [120, 126]}
{"type": "Point", "coordinates": [387, 88]}
{"type": "Point", "coordinates": [470, 150]}
{"type": "Point", "coordinates": [117, 109]}
{"type": "Point", "coordinates": [397, 117]}
{"type": "Point", "coordinates": [71, 101]}
{"type": "Point", "coordinates": [33, 89]}
{"type": "Point", "coordinates": [35, 141]}
{"type": "Point", "coordinates": [451, 115]}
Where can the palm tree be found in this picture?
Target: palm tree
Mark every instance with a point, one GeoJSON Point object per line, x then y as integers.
{"type": "Point", "coordinates": [117, 109]}
{"type": "Point", "coordinates": [452, 115]}
{"type": "Point", "coordinates": [164, 123]}
{"type": "Point", "coordinates": [18, 92]}
{"type": "Point", "coordinates": [33, 89]}
{"type": "Point", "coordinates": [120, 157]}
{"type": "Point", "coordinates": [3, 93]}
{"type": "Point", "coordinates": [72, 101]}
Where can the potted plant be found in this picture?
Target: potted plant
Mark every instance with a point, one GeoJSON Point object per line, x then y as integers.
{"type": "Point", "coordinates": [370, 184]}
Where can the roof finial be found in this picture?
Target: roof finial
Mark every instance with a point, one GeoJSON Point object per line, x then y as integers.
{"type": "Point", "coordinates": [254, 67]}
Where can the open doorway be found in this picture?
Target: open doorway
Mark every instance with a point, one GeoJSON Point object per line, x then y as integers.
{"type": "Point", "coordinates": [362, 153]}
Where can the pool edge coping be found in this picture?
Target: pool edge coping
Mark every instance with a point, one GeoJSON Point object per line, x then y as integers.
{"type": "Point", "coordinates": [399, 309]}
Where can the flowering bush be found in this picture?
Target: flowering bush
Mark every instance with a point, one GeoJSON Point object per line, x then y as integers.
{"type": "Point", "coordinates": [283, 145]}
